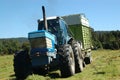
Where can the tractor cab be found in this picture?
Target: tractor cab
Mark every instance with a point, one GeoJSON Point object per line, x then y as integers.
{"type": "Point", "coordinates": [57, 27]}
{"type": "Point", "coordinates": [46, 41]}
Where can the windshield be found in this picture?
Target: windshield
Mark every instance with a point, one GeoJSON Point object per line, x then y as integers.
{"type": "Point", "coordinates": [53, 26]}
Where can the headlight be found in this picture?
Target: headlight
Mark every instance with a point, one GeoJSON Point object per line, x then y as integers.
{"type": "Point", "coordinates": [48, 43]}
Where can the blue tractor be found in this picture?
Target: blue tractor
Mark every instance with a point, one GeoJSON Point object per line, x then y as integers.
{"type": "Point", "coordinates": [52, 47]}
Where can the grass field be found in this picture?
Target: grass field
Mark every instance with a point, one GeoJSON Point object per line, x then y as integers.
{"type": "Point", "coordinates": [105, 66]}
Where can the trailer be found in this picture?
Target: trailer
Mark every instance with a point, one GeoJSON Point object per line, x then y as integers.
{"type": "Point", "coordinates": [80, 28]}
{"type": "Point", "coordinates": [81, 31]}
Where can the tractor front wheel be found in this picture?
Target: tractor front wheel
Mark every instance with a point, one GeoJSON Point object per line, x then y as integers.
{"type": "Point", "coordinates": [67, 66]}
{"type": "Point", "coordinates": [22, 65]}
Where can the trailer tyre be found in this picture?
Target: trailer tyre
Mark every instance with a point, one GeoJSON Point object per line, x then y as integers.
{"type": "Point", "coordinates": [88, 58]}
{"type": "Point", "coordinates": [22, 65]}
{"type": "Point", "coordinates": [79, 63]}
{"type": "Point", "coordinates": [67, 66]}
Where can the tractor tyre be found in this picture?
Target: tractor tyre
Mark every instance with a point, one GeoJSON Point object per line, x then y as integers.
{"type": "Point", "coordinates": [79, 63]}
{"type": "Point", "coordinates": [84, 64]}
{"type": "Point", "coordinates": [22, 65]}
{"type": "Point", "coordinates": [67, 66]}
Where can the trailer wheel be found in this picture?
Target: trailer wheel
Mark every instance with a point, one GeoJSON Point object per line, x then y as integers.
{"type": "Point", "coordinates": [88, 58]}
{"type": "Point", "coordinates": [22, 65]}
{"type": "Point", "coordinates": [79, 63]}
{"type": "Point", "coordinates": [67, 66]}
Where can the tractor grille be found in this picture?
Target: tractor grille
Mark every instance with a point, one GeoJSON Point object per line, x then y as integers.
{"type": "Point", "coordinates": [41, 43]}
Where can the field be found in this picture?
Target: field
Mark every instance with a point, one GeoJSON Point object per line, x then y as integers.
{"type": "Point", "coordinates": [105, 66]}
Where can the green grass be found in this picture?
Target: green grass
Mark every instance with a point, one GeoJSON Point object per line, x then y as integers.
{"type": "Point", "coordinates": [6, 67]}
{"type": "Point", "coordinates": [105, 66]}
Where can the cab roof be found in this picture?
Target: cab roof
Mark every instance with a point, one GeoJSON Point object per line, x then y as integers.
{"type": "Point", "coordinates": [49, 18]}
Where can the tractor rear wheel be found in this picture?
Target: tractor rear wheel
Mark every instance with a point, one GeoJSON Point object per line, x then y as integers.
{"type": "Point", "coordinates": [79, 63]}
{"type": "Point", "coordinates": [67, 66]}
{"type": "Point", "coordinates": [22, 65]}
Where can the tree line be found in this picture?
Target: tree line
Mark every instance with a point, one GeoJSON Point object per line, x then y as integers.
{"type": "Point", "coordinates": [106, 39]}
{"type": "Point", "coordinates": [10, 46]}
{"type": "Point", "coordinates": [100, 39]}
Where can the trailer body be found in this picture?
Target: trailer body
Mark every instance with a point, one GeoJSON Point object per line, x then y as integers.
{"type": "Point", "coordinates": [80, 28]}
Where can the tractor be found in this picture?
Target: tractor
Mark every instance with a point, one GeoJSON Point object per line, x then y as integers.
{"type": "Point", "coordinates": [53, 47]}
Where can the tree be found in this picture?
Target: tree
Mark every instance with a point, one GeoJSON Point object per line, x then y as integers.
{"type": "Point", "coordinates": [26, 46]}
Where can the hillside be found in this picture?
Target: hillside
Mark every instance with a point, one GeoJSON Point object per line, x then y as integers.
{"type": "Point", "coordinates": [19, 39]}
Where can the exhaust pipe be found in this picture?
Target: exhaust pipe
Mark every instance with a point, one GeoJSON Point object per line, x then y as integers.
{"type": "Point", "coordinates": [44, 18]}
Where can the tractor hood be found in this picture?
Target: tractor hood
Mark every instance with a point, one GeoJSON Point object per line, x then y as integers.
{"type": "Point", "coordinates": [42, 40]}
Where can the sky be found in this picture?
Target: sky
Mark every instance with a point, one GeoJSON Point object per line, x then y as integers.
{"type": "Point", "coordinates": [18, 17]}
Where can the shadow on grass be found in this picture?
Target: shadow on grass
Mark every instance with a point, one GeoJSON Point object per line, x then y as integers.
{"type": "Point", "coordinates": [12, 77]}
{"type": "Point", "coordinates": [51, 75]}
{"type": "Point", "coordinates": [99, 73]}
{"type": "Point", "coordinates": [54, 75]}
